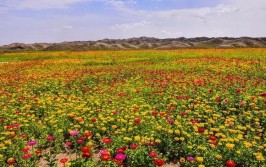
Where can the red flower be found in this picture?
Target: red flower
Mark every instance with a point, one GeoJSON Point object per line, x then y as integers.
{"type": "Point", "coordinates": [213, 138]}
{"type": "Point", "coordinates": [11, 161]}
{"type": "Point", "coordinates": [105, 157]}
{"type": "Point", "coordinates": [87, 134]}
{"type": "Point", "coordinates": [158, 162]}
{"type": "Point", "coordinates": [63, 160]}
{"type": "Point", "coordinates": [230, 163]}
{"type": "Point", "coordinates": [133, 146]}
{"type": "Point", "coordinates": [80, 141]}
{"type": "Point", "coordinates": [201, 130]}
{"type": "Point", "coordinates": [94, 120]}
{"type": "Point", "coordinates": [263, 94]}
{"type": "Point", "coordinates": [26, 149]}
{"type": "Point", "coordinates": [153, 154]}
{"type": "Point", "coordinates": [137, 121]}
{"type": "Point", "coordinates": [50, 138]}
{"type": "Point", "coordinates": [155, 112]}
{"type": "Point", "coordinates": [38, 151]}
{"type": "Point", "coordinates": [183, 113]}
{"type": "Point", "coordinates": [107, 140]}
{"type": "Point", "coordinates": [86, 155]}
{"type": "Point", "coordinates": [26, 156]}
{"type": "Point", "coordinates": [120, 150]}
{"type": "Point", "coordinates": [85, 149]}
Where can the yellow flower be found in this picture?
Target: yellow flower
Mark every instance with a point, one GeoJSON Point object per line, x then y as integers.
{"type": "Point", "coordinates": [137, 138]}
{"type": "Point", "coordinates": [201, 165]}
{"type": "Point", "coordinates": [1, 156]}
{"type": "Point", "coordinates": [158, 141]}
{"type": "Point", "coordinates": [229, 146]}
{"type": "Point", "coordinates": [170, 131]}
{"type": "Point", "coordinates": [176, 139]}
{"type": "Point", "coordinates": [182, 138]}
{"type": "Point", "coordinates": [219, 157]}
{"type": "Point", "coordinates": [199, 159]}
{"type": "Point", "coordinates": [182, 160]}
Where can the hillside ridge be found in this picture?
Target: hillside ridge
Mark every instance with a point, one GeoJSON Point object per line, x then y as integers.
{"type": "Point", "coordinates": [141, 43]}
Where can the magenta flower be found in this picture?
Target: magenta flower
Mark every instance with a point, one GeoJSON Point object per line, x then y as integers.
{"type": "Point", "coordinates": [170, 121]}
{"type": "Point", "coordinates": [190, 158]}
{"type": "Point", "coordinates": [74, 133]}
{"type": "Point", "coordinates": [120, 157]}
{"type": "Point", "coordinates": [103, 152]}
{"type": "Point", "coordinates": [32, 143]}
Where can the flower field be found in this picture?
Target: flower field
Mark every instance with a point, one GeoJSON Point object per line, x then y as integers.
{"type": "Point", "coordinates": [133, 108]}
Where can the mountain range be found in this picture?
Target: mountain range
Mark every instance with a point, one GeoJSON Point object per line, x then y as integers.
{"type": "Point", "coordinates": [141, 43]}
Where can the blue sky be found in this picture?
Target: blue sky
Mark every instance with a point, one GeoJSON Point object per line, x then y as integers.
{"type": "Point", "coordinates": [31, 21]}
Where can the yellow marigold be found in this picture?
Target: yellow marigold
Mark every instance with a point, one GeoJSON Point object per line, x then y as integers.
{"type": "Point", "coordinates": [219, 157]}
{"type": "Point", "coordinates": [182, 160]}
{"type": "Point", "coordinates": [199, 159]}
{"type": "Point", "coordinates": [137, 138]}
{"type": "Point", "coordinates": [229, 146]}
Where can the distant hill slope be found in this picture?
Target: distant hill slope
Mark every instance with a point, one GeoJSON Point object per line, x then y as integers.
{"type": "Point", "coordinates": [141, 43]}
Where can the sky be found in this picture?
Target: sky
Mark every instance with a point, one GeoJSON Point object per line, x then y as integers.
{"type": "Point", "coordinates": [30, 21]}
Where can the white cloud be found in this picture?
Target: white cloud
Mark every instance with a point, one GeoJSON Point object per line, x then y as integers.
{"type": "Point", "coordinates": [232, 18]}
{"type": "Point", "coordinates": [38, 4]}
{"type": "Point", "coordinates": [67, 27]}
{"type": "Point", "coordinates": [131, 26]}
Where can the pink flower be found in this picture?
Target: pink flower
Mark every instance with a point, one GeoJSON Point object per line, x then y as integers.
{"type": "Point", "coordinates": [191, 159]}
{"type": "Point", "coordinates": [170, 121]}
{"type": "Point", "coordinates": [103, 152]}
{"type": "Point", "coordinates": [32, 143]}
{"type": "Point", "coordinates": [120, 157]}
{"type": "Point", "coordinates": [74, 133]}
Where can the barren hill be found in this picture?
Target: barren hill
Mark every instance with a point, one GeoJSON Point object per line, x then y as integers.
{"type": "Point", "coordinates": [141, 43]}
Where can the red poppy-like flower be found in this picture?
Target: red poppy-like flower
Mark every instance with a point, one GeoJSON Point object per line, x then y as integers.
{"type": "Point", "coordinates": [263, 94]}
{"type": "Point", "coordinates": [153, 154]}
{"type": "Point", "coordinates": [158, 162]}
{"type": "Point", "coordinates": [137, 120]}
{"type": "Point", "coordinates": [94, 120]}
{"type": "Point", "coordinates": [133, 146]}
{"type": "Point", "coordinates": [213, 138]}
{"type": "Point", "coordinates": [183, 113]}
{"type": "Point", "coordinates": [26, 156]}
{"type": "Point", "coordinates": [50, 138]}
{"type": "Point", "coordinates": [120, 150]}
{"type": "Point", "coordinates": [26, 149]}
{"type": "Point", "coordinates": [105, 157]}
{"type": "Point", "coordinates": [80, 141]}
{"type": "Point", "coordinates": [85, 149]}
{"type": "Point", "coordinates": [86, 155]}
{"type": "Point", "coordinates": [201, 130]}
{"type": "Point", "coordinates": [155, 112]}
{"type": "Point", "coordinates": [23, 135]}
{"type": "Point", "coordinates": [38, 151]}
{"type": "Point", "coordinates": [11, 161]}
{"type": "Point", "coordinates": [63, 160]}
{"type": "Point", "coordinates": [230, 163]}
{"type": "Point", "coordinates": [87, 134]}
{"type": "Point", "coordinates": [107, 140]}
